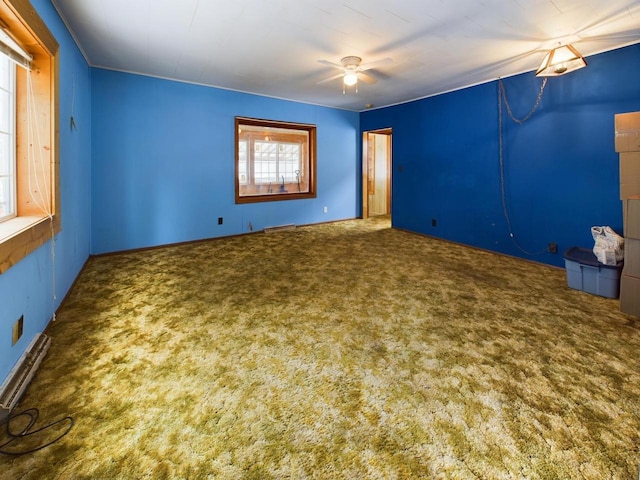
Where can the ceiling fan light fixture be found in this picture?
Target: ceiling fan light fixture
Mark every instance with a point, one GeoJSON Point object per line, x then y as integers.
{"type": "Point", "coordinates": [350, 78]}
{"type": "Point", "coordinates": [561, 60]}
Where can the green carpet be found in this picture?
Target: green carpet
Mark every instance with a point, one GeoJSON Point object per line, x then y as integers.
{"type": "Point", "coordinates": [338, 351]}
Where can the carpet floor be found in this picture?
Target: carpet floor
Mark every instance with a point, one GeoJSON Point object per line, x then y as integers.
{"type": "Point", "coordinates": [340, 351]}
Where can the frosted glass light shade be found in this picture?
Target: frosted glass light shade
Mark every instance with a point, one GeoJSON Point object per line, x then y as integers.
{"type": "Point", "coordinates": [559, 61]}
{"type": "Point", "coordinates": [350, 78]}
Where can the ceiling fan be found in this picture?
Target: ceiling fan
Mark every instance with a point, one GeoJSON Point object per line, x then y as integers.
{"type": "Point", "coordinates": [352, 71]}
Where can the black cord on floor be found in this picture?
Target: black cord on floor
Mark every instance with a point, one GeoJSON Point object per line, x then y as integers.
{"type": "Point", "coordinates": [26, 432]}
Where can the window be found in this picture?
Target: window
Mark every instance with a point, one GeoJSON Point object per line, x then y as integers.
{"type": "Point", "coordinates": [274, 160]}
{"type": "Point", "coordinates": [7, 139]}
{"type": "Point", "coordinates": [29, 166]}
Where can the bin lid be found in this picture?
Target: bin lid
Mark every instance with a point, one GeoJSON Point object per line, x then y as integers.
{"type": "Point", "coordinates": [585, 256]}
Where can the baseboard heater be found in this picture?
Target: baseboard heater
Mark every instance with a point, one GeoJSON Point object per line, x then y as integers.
{"type": "Point", "coordinates": [279, 228]}
{"type": "Point", "coordinates": [20, 375]}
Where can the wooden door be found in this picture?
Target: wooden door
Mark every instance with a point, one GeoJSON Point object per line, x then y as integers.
{"type": "Point", "coordinates": [376, 173]}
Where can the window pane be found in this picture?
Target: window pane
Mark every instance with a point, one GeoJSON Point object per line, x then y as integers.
{"type": "Point", "coordinates": [289, 161]}
{"type": "Point", "coordinates": [265, 163]}
{"type": "Point", "coordinates": [5, 155]}
{"type": "Point", "coordinates": [7, 160]}
{"type": "Point", "coordinates": [5, 111]}
{"type": "Point", "coordinates": [242, 162]}
{"type": "Point", "coordinates": [6, 196]}
{"type": "Point", "coordinates": [5, 66]}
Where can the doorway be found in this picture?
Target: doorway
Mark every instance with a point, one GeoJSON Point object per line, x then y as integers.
{"type": "Point", "coordinates": [376, 173]}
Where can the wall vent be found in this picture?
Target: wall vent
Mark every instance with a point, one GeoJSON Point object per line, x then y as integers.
{"type": "Point", "coordinates": [279, 228]}
{"type": "Point", "coordinates": [20, 376]}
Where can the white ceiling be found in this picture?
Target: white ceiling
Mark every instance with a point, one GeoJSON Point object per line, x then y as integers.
{"type": "Point", "coordinates": [272, 47]}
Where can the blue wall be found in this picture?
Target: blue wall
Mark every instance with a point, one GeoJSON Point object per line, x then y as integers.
{"type": "Point", "coordinates": [163, 162]}
{"type": "Point", "coordinates": [561, 170]}
{"type": "Point", "coordinates": [29, 287]}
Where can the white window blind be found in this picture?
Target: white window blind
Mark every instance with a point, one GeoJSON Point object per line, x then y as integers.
{"type": "Point", "coordinates": [14, 51]}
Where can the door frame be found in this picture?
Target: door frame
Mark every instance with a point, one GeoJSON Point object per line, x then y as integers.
{"type": "Point", "coordinates": [365, 167]}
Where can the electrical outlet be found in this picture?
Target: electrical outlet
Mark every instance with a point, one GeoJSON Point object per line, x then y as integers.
{"type": "Point", "coordinates": [433, 222]}
{"type": "Point", "coordinates": [552, 248]}
{"type": "Point", "coordinates": [325, 210]}
{"type": "Point", "coordinates": [17, 330]}
{"type": "Point", "coordinates": [219, 220]}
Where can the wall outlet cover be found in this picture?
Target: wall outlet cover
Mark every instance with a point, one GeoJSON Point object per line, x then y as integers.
{"type": "Point", "coordinates": [18, 328]}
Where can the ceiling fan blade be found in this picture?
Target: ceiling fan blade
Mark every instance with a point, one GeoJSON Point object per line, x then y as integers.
{"type": "Point", "coordinates": [339, 75]}
{"type": "Point", "coordinates": [331, 64]}
{"type": "Point", "coordinates": [377, 63]}
{"type": "Point", "coordinates": [366, 78]}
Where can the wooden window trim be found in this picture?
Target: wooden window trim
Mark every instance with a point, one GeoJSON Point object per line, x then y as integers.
{"type": "Point", "coordinates": [31, 228]}
{"type": "Point", "coordinates": [311, 164]}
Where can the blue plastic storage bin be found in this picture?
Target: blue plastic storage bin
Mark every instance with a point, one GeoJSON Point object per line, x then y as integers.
{"type": "Point", "coordinates": [586, 273]}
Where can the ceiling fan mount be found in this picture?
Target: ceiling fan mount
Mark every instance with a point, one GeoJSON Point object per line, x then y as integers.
{"type": "Point", "coordinates": [351, 62]}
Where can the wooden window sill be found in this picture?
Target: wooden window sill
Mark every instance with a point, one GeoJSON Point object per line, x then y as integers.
{"type": "Point", "coordinates": [22, 235]}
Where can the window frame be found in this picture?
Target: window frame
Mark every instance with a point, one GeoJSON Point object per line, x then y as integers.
{"type": "Point", "coordinates": [289, 189]}
{"type": "Point", "coordinates": [32, 227]}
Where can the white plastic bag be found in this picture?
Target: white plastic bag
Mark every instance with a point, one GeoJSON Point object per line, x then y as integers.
{"type": "Point", "coordinates": [609, 246]}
